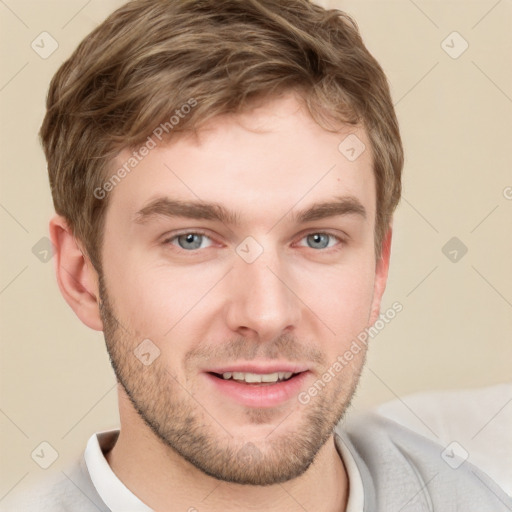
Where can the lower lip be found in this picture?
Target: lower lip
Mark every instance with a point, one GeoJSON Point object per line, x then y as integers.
{"type": "Point", "coordinates": [259, 395]}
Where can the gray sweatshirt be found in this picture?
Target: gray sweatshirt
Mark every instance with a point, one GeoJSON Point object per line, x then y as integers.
{"type": "Point", "coordinates": [401, 471]}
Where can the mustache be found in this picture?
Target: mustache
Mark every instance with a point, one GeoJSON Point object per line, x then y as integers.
{"type": "Point", "coordinates": [284, 347]}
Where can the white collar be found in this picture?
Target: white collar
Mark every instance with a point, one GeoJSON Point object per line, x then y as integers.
{"type": "Point", "coordinates": [119, 498]}
{"type": "Point", "coordinates": [355, 481]}
{"type": "Point", "coordinates": [112, 491]}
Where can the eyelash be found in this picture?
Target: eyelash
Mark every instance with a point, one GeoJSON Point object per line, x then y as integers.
{"type": "Point", "coordinates": [337, 238]}
{"type": "Point", "coordinates": [169, 240]}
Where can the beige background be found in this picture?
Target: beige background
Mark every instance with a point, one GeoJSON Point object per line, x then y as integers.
{"type": "Point", "coordinates": [456, 120]}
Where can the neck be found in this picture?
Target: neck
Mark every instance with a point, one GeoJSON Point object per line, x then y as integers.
{"type": "Point", "coordinates": [159, 476]}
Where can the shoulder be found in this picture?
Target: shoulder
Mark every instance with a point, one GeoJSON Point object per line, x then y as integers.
{"type": "Point", "coordinates": [70, 489]}
{"type": "Point", "coordinates": [478, 420]}
{"type": "Point", "coordinates": [403, 469]}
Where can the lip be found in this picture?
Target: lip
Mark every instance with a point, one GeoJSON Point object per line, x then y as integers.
{"type": "Point", "coordinates": [260, 368]}
{"type": "Point", "coordinates": [264, 395]}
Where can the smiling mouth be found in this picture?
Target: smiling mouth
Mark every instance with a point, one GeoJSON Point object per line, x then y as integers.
{"type": "Point", "coordinates": [256, 378]}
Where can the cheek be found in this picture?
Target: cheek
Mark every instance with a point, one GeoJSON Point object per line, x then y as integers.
{"type": "Point", "coordinates": [157, 301]}
{"type": "Point", "coordinates": [340, 296]}
{"type": "Point", "coordinates": [150, 305]}
{"type": "Point", "coordinates": [139, 298]}
{"type": "Point", "coordinates": [346, 310]}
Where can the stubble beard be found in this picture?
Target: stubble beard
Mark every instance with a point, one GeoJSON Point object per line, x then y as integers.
{"type": "Point", "coordinates": [186, 426]}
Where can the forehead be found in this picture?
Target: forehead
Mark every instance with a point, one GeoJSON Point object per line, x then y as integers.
{"type": "Point", "coordinates": [270, 158]}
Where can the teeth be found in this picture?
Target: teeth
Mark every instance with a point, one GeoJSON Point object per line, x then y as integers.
{"type": "Point", "coordinates": [257, 377]}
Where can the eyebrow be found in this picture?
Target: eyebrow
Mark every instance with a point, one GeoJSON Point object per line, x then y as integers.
{"type": "Point", "coordinates": [201, 210]}
{"type": "Point", "coordinates": [166, 207]}
{"type": "Point", "coordinates": [345, 205]}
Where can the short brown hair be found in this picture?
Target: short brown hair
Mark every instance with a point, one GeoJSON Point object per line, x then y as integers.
{"type": "Point", "coordinates": [150, 57]}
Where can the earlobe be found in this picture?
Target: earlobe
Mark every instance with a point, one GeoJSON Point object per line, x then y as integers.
{"type": "Point", "coordinates": [76, 276]}
{"type": "Point", "coordinates": [381, 275]}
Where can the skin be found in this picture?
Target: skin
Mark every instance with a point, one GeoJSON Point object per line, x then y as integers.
{"type": "Point", "coordinates": [182, 440]}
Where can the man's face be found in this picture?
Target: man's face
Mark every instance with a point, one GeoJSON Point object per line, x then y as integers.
{"type": "Point", "coordinates": [243, 254]}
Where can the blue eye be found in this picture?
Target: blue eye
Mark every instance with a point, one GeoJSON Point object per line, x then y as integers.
{"type": "Point", "coordinates": [320, 240]}
{"type": "Point", "coordinates": [191, 241]}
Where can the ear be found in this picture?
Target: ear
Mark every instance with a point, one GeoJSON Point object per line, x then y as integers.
{"type": "Point", "coordinates": [381, 275]}
{"type": "Point", "coordinates": [77, 278]}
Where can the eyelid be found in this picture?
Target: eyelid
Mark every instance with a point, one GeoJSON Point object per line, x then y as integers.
{"type": "Point", "coordinates": [169, 238]}
{"type": "Point", "coordinates": [341, 238]}
{"type": "Point", "coordinates": [181, 232]}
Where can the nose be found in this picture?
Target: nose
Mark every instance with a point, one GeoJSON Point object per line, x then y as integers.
{"type": "Point", "coordinates": [262, 302]}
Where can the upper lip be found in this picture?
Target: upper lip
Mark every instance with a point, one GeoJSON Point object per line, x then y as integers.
{"type": "Point", "coordinates": [260, 368]}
